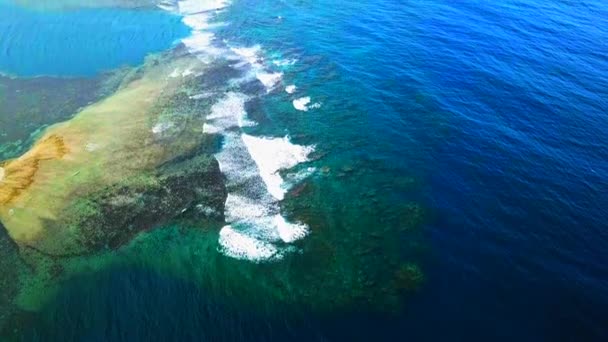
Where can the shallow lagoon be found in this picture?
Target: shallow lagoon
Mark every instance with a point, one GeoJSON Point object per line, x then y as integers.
{"type": "Point", "coordinates": [81, 42]}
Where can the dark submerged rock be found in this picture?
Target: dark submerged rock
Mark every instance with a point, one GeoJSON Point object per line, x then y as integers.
{"type": "Point", "coordinates": [188, 189]}
{"type": "Point", "coordinates": [10, 266]}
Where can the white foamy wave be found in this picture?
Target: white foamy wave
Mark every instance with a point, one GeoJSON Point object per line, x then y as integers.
{"type": "Point", "coordinates": [229, 112]}
{"type": "Point", "coordinates": [197, 15]}
{"type": "Point", "coordinates": [256, 229]}
{"type": "Point", "coordinates": [187, 72]}
{"type": "Point", "coordinates": [236, 164]}
{"type": "Point", "coordinates": [315, 105]}
{"type": "Point", "coordinates": [174, 73]}
{"type": "Point", "coordinates": [272, 229]}
{"type": "Point", "coordinates": [290, 89]}
{"type": "Point", "coordinates": [251, 57]}
{"type": "Point", "coordinates": [249, 54]}
{"type": "Point", "coordinates": [198, 42]}
{"type": "Point", "coordinates": [256, 239]}
{"type": "Point", "coordinates": [240, 207]}
{"type": "Point", "coordinates": [240, 246]}
{"type": "Point", "coordinates": [295, 178]}
{"type": "Point", "coordinates": [227, 117]}
{"type": "Point", "coordinates": [199, 21]}
{"type": "Point", "coordinates": [301, 103]}
{"type": "Point", "coordinates": [198, 6]}
{"type": "Point", "coordinates": [269, 80]}
{"type": "Point", "coordinates": [289, 232]}
{"type": "Point", "coordinates": [211, 129]}
{"type": "Point", "coordinates": [284, 62]}
{"type": "Point", "coordinates": [260, 219]}
{"type": "Point", "coordinates": [272, 155]}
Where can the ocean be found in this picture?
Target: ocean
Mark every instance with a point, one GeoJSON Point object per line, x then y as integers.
{"type": "Point", "coordinates": [394, 170]}
{"type": "Point", "coordinates": [81, 42]}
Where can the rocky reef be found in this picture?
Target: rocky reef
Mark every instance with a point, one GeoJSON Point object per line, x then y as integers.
{"type": "Point", "coordinates": [128, 163]}
{"type": "Point", "coordinates": [126, 135]}
{"type": "Point", "coordinates": [131, 180]}
{"type": "Point", "coordinates": [190, 189]}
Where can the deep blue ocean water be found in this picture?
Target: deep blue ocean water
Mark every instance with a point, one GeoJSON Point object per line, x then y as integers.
{"type": "Point", "coordinates": [498, 109]}
{"type": "Point", "coordinates": [81, 42]}
{"type": "Point", "coordinates": [502, 109]}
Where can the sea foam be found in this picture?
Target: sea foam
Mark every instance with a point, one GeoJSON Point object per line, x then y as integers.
{"type": "Point", "coordinates": [301, 103]}
{"type": "Point", "coordinates": [284, 62]}
{"type": "Point", "coordinates": [240, 246]}
{"type": "Point", "coordinates": [249, 54]}
{"type": "Point", "coordinates": [272, 155]}
{"type": "Point", "coordinates": [199, 41]}
{"type": "Point", "coordinates": [199, 6]}
{"type": "Point", "coordinates": [250, 57]}
{"type": "Point", "coordinates": [198, 21]}
{"type": "Point", "coordinates": [256, 230]}
{"type": "Point", "coordinates": [290, 89]}
{"type": "Point", "coordinates": [269, 80]}
{"type": "Point", "coordinates": [197, 15]}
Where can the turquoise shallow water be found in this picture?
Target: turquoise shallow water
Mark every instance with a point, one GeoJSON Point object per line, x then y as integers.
{"type": "Point", "coordinates": [492, 115]}
{"type": "Point", "coordinates": [81, 42]}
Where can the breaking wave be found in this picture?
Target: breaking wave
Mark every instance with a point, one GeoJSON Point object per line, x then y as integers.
{"type": "Point", "coordinates": [255, 230]}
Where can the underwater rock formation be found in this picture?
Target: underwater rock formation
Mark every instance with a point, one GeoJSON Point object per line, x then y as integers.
{"type": "Point", "coordinates": [189, 189]}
